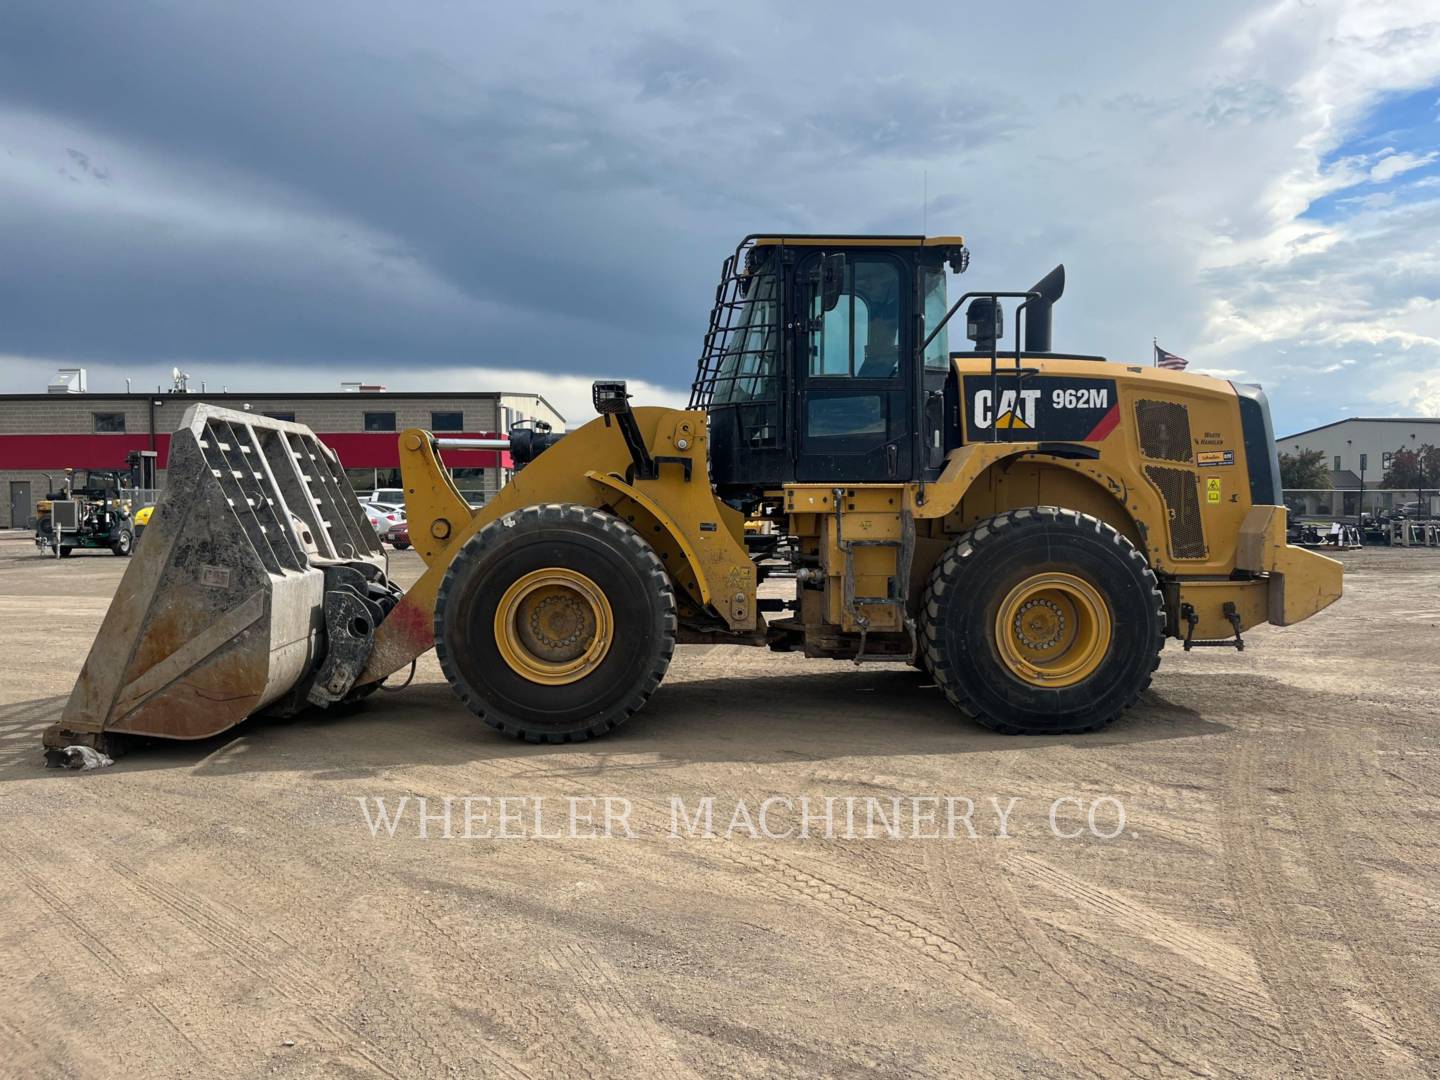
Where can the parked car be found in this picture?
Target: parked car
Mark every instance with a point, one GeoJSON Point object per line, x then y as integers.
{"type": "Point", "coordinates": [384, 517]}
{"type": "Point", "coordinates": [400, 535]}
{"type": "Point", "coordinates": [1414, 510]}
{"type": "Point", "coordinates": [374, 516]}
{"type": "Point", "coordinates": [387, 496]}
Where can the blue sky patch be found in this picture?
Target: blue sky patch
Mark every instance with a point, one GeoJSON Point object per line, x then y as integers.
{"type": "Point", "coordinates": [1399, 124]}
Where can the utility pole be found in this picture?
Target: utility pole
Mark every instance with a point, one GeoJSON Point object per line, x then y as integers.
{"type": "Point", "coordinates": [1360, 517]}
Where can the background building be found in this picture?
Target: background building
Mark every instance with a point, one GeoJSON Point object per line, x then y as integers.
{"type": "Point", "coordinates": [43, 434]}
{"type": "Point", "coordinates": [1361, 447]}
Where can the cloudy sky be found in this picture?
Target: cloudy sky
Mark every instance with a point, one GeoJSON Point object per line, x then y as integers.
{"type": "Point", "coordinates": [482, 196]}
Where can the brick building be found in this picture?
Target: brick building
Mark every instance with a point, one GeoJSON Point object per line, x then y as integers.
{"type": "Point", "coordinates": [43, 434]}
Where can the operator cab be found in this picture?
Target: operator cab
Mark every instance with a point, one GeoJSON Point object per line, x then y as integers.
{"type": "Point", "coordinates": [812, 371]}
{"type": "Point", "coordinates": [827, 359]}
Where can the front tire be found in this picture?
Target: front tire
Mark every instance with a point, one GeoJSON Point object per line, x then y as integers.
{"type": "Point", "coordinates": [555, 623]}
{"type": "Point", "coordinates": [1043, 621]}
{"type": "Point", "coordinates": [124, 543]}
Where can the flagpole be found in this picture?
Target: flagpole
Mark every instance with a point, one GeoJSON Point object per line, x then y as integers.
{"type": "Point", "coordinates": [1154, 352]}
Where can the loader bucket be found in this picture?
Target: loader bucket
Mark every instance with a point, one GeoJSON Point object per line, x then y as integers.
{"type": "Point", "coordinates": [258, 583]}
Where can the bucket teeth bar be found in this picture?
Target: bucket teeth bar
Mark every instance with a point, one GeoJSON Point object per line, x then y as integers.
{"type": "Point", "coordinates": [259, 582]}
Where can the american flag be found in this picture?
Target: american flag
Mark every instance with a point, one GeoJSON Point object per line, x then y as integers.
{"type": "Point", "coordinates": [1169, 360]}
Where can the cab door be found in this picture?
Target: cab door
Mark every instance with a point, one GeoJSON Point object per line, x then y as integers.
{"type": "Point", "coordinates": [854, 372]}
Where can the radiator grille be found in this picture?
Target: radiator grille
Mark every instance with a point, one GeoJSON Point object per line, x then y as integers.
{"type": "Point", "coordinates": [1164, 428]}
{"type": "Point", "coordinates": [1182, 504]}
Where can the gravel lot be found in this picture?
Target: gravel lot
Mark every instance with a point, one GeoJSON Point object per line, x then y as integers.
{"type": "Point", "coordinates": [222, 909]}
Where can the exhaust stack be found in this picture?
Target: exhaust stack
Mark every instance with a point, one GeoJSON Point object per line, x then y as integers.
{"type": "Point", "coordinates": [1037, 313]}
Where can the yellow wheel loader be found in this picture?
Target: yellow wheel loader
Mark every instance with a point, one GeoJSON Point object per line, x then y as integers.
{"type": "Point", "coordinates": [1028, 524]}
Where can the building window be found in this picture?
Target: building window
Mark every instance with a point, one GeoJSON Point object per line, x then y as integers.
{"type": "Point", "coordinates": [109, 421]}
{"type": "Point", "coordinates": [288, 417]}
{"type": "Point", "coordinates": [1337, 462]}
{"type": "Point", "coordinates": [447, 421]}
{"type": "Point", "coordinates": [379, 421]}
{"type": "Point", "coordinates": [471, 484]}
{"type": "Point", "coordinates": [362, 480]}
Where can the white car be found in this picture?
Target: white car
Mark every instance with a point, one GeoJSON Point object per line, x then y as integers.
{"type": "Point", "coordinates": [384, 517]}
{"type": "Point", "coordinates": [384, 496]}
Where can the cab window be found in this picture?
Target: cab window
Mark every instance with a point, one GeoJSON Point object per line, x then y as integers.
{"type": "Point", "coordinates": [937, 353]}
{"type": "Point", "coordinates": [860, 336]}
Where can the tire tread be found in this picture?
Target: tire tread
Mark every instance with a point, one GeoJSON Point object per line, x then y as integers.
{"type": "Point", "coordinates": [473, 552]}
{"type": "Point", "coordinates": [945, 577]}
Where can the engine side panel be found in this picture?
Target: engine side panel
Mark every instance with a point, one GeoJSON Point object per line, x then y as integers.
{"type": "Point", "coordinates": [1171, 448]}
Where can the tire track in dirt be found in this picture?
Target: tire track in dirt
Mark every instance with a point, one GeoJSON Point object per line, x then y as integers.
{"type": "Point", "coordinates": [21, 1055]}
{"type": "Point", "coordinates": [633, 1036]}
{"type": "Point", "coordinates": [774, 877]}
{"type": "Point", "coordinates": [649, 820]}
{"type": "Point", "coordinates": [978, 905]}
{"type": "Point", "coordinates": [226, 937]}
{"type": "Point", "coordinates": [299, 982]}
{"type": "Point", "coordinates": [913, 933]}
{"type": "Point", "coordinates": [909, 930]}
{"type": "Point", "coordinates": [572, 1052]}
{"type": "Point", "coordinates": [1233, 970]}
{"type": "Point", "coordinates": [1351, 901]}
{"type": "Point", "coordinates": [89, 931]}
{"type": "Point", "coordinates": [1330, 1041]}
{"type": "Point", "coordinates": [220, 931]}
{"type": "Point", "coordinates": [448, 943]}
{"type": "Point", "coordinates": [1177, 991]}
{"type": "Point", "coordinates": [452, 954]}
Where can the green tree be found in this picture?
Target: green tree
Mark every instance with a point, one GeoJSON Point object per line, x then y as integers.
{"type": "Point", "coordinates": [1413, 468]}
{"type": "Point", "coordinates": [1305, 469]}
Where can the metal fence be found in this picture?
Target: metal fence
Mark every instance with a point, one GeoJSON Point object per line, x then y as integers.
{"type": "Point", "coordinates": [1349, 503]}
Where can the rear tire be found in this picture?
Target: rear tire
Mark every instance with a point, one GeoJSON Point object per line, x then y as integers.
{"type": "Point", "coordinates": [1043, 621]}
{"type": "Point", "coordinates": [65, 551]}
{"type": "Point", "coordinates": [555, 623]}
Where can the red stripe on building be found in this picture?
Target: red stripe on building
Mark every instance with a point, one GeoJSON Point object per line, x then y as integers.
{"type": "Point", "coordinates": [357, 450]}
{"type": "Point", "coordinates": [1105, 426]}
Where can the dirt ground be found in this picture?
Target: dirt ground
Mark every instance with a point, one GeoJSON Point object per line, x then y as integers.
{"type": "Point", "coordinates": [1272, 907]}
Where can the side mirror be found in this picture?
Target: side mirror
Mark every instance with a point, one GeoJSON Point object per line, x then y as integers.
{"type": "Point", "coordinates": [832, 280]}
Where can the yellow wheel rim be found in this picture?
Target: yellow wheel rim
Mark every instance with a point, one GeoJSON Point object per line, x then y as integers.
{"type": "Point", "coordinates": [1053, 630]}
{"type": "Point", "coordinates": [553, 626]}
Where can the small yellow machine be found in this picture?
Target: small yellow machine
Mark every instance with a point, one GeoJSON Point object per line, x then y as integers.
{"type": "Point", "coordinates": [1027, 524]}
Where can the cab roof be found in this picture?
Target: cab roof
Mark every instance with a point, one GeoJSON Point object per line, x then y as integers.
{"type": "Point", "coordinates": [857, 240]}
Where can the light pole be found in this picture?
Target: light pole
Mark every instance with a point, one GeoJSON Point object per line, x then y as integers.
{"type": "Point", "coordinates": [1360, 520]}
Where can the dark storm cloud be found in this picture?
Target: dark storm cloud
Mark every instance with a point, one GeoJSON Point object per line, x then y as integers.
{"type": "Point", "coordinates": [501, 188]}
{"type": "Point", "coordinates": [404, 151]}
